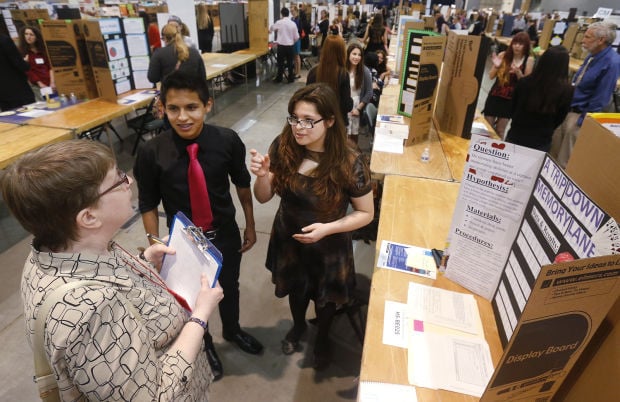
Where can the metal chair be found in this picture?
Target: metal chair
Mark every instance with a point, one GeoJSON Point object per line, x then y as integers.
{"type": "Point", "coordinates": [145, 123]}
{"type": "Point", "coordinates": [304, 55]}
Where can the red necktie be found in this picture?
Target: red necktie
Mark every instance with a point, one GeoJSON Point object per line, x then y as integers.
{"type": "Point", "coordinates": [198, 195]}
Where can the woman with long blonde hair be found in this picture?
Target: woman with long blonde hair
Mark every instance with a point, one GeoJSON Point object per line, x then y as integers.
{"type": "Point", "coordinates": [176, 55]}
{"type": "Point", "coordinates": [205, 28]}
{"type": "Point", "coordinates": [332, 71]}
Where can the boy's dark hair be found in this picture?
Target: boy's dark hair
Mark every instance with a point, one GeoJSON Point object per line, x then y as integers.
{"type": "Point", "coordinates": [284, 12]}
{"type": "Point", "coordinates": [183, 80]}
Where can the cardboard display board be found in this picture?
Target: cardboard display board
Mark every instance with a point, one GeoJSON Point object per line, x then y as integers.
{"type": "Point", "coordinates": [66, 49]}
{"type": "Point", "coordinates": [416, 73]}
{"type": "Point", "coordinates": [28, 17]}
{"type": "Point", "coordinates": [598, 175]}
{"type": "Point", "coordinates": [545, 36]}
{"type": "Point", "coordinates": [406, 23]}
{"type": "Point", "coordinates": [459, 86]}
{"type": "Point", "coordinates": [567, 305]}
{"type": "Point", "coordinates": [420, 77]}
{"type": "Point", "coordinates": [570, 35]}
{"type": "Point", "coordinates": [490, 23]}
{"type": "Point", "coordinates": [98, 52]}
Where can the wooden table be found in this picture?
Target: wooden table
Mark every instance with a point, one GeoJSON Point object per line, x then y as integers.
{"type": "Point", "coordinates": [413, 211]}
{"type": "Point", "coordinates": [7, 126]}
{"type": "Point", "coordinates": [408, 163]}
{"type": "Point", "coordinates": [22, 139]}
{"type": "Point", "coordinates": [83, 116]}
{"type": "Point", "coordinates": [217, 64]}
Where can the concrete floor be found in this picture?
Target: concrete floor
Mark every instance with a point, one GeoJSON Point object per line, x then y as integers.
{"type": "Point", "coordinates": [257, 112]}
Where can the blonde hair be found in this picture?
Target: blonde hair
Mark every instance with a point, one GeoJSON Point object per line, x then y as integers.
{"type": "Point", "coordinates": [171, 34]}
{"type": "Point", "coordinates": [203, 19]}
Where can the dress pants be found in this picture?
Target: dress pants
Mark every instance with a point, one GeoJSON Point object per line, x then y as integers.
{"type": "Point", "coordinates": [228, 241]}
{"type": "Point", "coordinates": [286, 55]}
{"type": "Point", "coordinates": [564, 138]}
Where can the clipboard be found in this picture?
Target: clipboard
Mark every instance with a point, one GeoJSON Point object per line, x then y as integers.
{"type": "Point", "coordinates": [195, 254]}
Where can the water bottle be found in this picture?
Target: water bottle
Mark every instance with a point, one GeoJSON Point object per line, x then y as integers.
{"type": "Point", "coordinates": [63, 100]}
{"type": "Point", "coordinates": [426, 155]}
{"type": "Point", "coordinates": [73, 98]}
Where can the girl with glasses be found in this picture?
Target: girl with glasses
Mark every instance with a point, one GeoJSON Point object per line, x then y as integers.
{"type": "Point", "coordinates": [317, 174]}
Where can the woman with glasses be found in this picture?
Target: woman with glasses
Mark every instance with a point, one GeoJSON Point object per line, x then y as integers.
{"type": "Point", "coordinates": [317, 174]}
{"type": "Point", "coordinates": [125, 336]}
{"type": "Point", "coordinates": [175, 55]}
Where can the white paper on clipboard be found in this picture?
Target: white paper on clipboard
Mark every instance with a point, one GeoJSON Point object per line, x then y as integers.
{"type": "Point", "coordinates": [194, 255]}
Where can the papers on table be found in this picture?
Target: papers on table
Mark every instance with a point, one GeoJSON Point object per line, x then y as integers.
{"type": "Point", "coordinates": [394, 324]}
{"type": "Point", "coordinates": [381, 391]}
{"type": "Point", "coordinates": [137, 97]}
{"type": "Point", "coordinates": [449, 362]}
{"type": "Point", "coordinates": [35, 113]}
{"type": "Point", "coordinates": [406, 258]}
{"type": "Point", "coordinates": [451, 310]}
{"type": "Point", "coordinates": [443, 333]}
{"type": "Point", "coordinates": [387, 143]}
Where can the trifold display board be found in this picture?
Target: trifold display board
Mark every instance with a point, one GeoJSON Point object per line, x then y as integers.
{"type": "Point", "coordinates": [517, 213]}
{"type": "Point", "coordinates": [421, 67]}
{"type": "Point", "coordinates": [461, 76]}
{"type": "Point", "coordinates": [117, 54]}
{"type": "Point", "coordinates": [420, 76]}
{"type": "Point", "coordinates": [66, 48]}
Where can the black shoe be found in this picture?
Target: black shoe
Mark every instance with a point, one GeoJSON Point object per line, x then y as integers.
{"type": "Point", "coordinates": [214, 362]}
{"type": "Point", "coordinates": [277, 80]}
{"type": "Point", "coordinates": [290, 343]}
{"type": "Point", "coordinates": [245, 341]}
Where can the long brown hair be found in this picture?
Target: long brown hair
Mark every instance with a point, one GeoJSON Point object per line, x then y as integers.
{"type": "Point", "coordinates": [359, 68]}
{"type": "Point", "coordinates": [332, 64]}
{"type": "Point", "coordinates": [38, 45]}
{"type": "Point", "coordinates": [333, 170]}
{"type": "Point", "coordinates": [171, 34]}
{"type": "Point", "coordinates": [503, 73]}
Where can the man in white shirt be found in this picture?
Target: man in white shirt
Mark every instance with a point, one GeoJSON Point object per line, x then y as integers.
{"type": "Point", "coordinates": [286, 36]}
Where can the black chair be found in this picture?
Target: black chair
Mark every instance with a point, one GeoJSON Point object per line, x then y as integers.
{"type": "Point", "coordinates": [370, 113]}
{"type": "Point", "coordinates": [145, 123]}
{"type": "Point", "coordinates": [304, 55]}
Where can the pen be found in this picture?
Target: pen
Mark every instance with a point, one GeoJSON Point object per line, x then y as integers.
{"type": "Point", "coordinates": [155, 239]}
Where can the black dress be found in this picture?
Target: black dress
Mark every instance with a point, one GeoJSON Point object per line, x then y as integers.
{"type": "Point", "coordinates": [535, 129]}
{"type": "Point", "coordinates": [375, 40]}
{"type": "Point", "coordinates": [324, 270]}
{"type": "Point", "coordinates": [15, 90]}
{"type": "Point", "coordinates": [499, 101]}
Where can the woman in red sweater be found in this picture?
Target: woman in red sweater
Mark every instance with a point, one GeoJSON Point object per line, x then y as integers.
{"type": "Point", "coordinates": [40, 75]}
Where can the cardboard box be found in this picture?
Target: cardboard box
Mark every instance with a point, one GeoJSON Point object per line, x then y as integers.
{"type": "Point", "coordinates": [459, 86]}
{"type": "Point", "coordinates": [595, 166]}
{"type": "Point", "coordinates": [402, 49]}
{"type": "Point", "coordinates": [419, 81]}
{"type": "Point", "coordinates": [28, 17]}
{"type": "Point", "coordinates": [66, 49]}
{"type": "Point", "coordinates": [97, 55]}
{"type": "Point", "coordinates": [545, 36]}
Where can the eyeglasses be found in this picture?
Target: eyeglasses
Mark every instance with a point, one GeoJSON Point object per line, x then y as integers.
{"type": "Point", "coordinates": [124, 180]}
{"type": "Point", "coordinates": [307, 123]}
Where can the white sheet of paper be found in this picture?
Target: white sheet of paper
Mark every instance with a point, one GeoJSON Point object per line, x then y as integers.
{"type": "Point", "coordinates": [449, 362]}
{"type": "Point", "coordinates": [182, 270]}
{"type": "Point", "coordinates": [393, 130]}
{"type": "Point", "coordinates": [36, 113]}
{"type": "Point", "coordinates": [444, 307]}
{"type": "Point", "coordinates": [382, 391]}
{"type": "Point", "coordinates": [385, 143]}
{"type": "Point", "coordinates": [394, 322]}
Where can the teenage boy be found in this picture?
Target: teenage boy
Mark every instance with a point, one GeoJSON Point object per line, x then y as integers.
{"type": "Point", "coordinates": [163, 170]}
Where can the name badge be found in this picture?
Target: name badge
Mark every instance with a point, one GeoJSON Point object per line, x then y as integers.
{"type": "Point", "coordinates": [39, 60]}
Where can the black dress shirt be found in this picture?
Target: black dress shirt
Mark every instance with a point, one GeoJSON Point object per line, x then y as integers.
{"type": "Point", "coordinates": [161, 172]}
